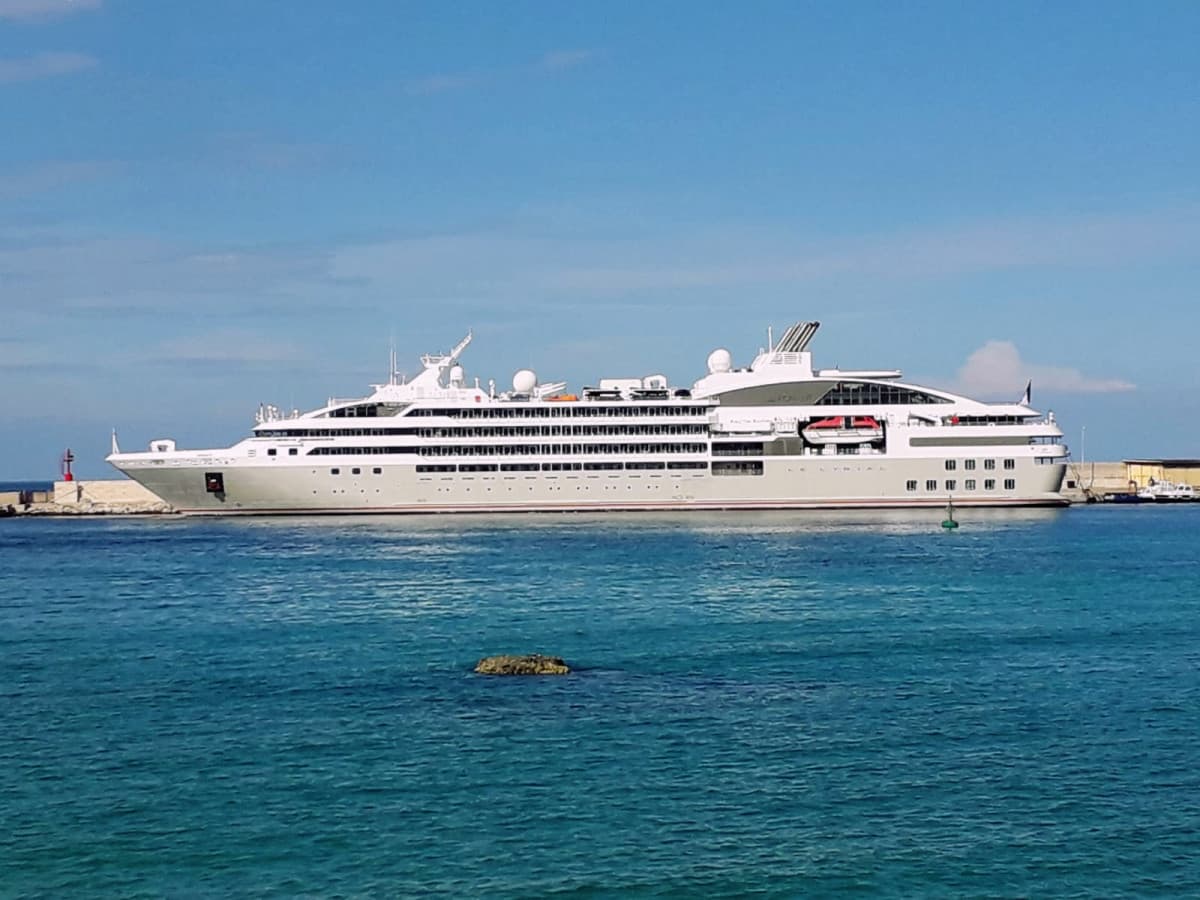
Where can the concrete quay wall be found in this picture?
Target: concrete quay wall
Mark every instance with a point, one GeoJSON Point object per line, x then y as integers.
{"type": "Point", "coordinates": [16, 498]}
{"type": "Point", "coordinates": [1095, 479]}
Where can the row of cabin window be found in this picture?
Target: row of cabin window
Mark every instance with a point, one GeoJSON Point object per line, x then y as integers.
{"type": "Point", "coordinates": [356, 471]}
{"type": "Point", "coordinates": [536, 449]}
{"type": "Point", "coordinates": [754, 467]}
{"type": "Point", "coordinates": [985, 420]}
{"type": "Point", "coordinates": [568, 410]}
{"type": "Point", "coordinates": [565, 430]}
{"type": "Point", "coordinates": [951, 484]}
{"type": "Point", "coordinates": [514, 450]}
{"type": "Point", "coordinates": [489, 431]}
{"type": "Point", "coordinates": [559, 467]}
{"type": "Point", "coordinates": [952, 464]}
{"type": "Point", "coordinates": [738, 448]}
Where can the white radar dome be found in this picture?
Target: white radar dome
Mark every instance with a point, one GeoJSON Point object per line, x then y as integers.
{"type": "Point", "coordinates": [719, 361]}
{"type": "Point", "coordinates": [456, 375]}
{"type": "Point", "coordinates": [524, 381]}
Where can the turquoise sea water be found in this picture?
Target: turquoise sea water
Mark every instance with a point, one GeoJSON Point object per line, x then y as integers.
{"type": "Point", "coordinates": [768, 705]}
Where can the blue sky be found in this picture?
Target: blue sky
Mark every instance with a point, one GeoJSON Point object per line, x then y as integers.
{"type": "Point", "coordinates": [207, 205]}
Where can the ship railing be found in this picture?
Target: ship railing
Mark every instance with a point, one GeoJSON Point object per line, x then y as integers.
{"type": "Point", "coordinates": [783, 359]}
{"type": "Point", "coordinates": [952, 422]}
{"type": "Point", "coordinates": [270, 413]}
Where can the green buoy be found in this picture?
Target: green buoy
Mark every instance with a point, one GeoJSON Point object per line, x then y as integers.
{"type": "Point", "coordinates": [948, 523]}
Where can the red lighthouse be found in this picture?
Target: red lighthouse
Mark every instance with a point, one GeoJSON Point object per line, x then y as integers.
{"type": "Point", "coordinates": [67, 458]}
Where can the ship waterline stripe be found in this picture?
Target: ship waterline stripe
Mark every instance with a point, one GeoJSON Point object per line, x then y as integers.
{"type": "Point", "coordinates": [637, 505]}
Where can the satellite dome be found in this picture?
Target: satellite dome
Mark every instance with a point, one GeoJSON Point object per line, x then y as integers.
{"type": "Point", "coordinates": [719, 361]}
{"type": "Point", "coordinates": [524, 381]}
{"type": "Point", "coordinates": [456, 376]}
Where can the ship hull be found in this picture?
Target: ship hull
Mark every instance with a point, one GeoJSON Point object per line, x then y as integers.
{"type": "Point", "coordinates": [839, 482]}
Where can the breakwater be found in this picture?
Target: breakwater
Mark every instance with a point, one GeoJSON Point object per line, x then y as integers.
{"type": "Point", "coordinates": [108, 497]}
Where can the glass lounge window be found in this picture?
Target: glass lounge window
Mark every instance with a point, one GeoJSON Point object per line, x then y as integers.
{"type": "Point", "coordinates": [752, 467]}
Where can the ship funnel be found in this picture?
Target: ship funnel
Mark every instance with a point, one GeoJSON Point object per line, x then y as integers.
{"type": "Point", "coordinates": [797, 338]}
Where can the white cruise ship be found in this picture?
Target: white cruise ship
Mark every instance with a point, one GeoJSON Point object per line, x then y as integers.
{"type": "Point", "coordinates": [775, 434]}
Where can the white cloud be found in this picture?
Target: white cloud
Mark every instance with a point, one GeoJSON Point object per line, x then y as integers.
{"type": "Point", "coordinates": [226, 346]}
{"type": "Point", "coordinates": [554, 61]}
{"type": "Point", "coordinates": [73, 271]}
{"type": "Point", "coordinates": [561, 260]}
{"type": "Point", "coordinates": [43, 65]}
{"type": "Point", "coordinates": [48, 176]}
{"type": "Point", "coordinates": [557, 60]}
{"type": "Point", "coordinates": [261, 150]}
{"type": "Point", "coordinates": [532, 266]}
{"type": "Point", "coordinates": [997, 369]}
{"type": "Point", "coordinates": [42, 10]}
{"type": "Point", "coordinates": [441, 84]}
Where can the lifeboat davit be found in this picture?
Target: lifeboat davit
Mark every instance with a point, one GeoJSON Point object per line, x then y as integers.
{"type": "Point", "coordinates": [843, 430]}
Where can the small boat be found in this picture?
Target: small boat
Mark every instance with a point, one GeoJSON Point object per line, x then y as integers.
{"type": "Point", "coordinates": [843, 430]}
{"type": "Point", "coordinates": [1125, 497]}
{"type": "Point", "coordinates": [1168, 492]}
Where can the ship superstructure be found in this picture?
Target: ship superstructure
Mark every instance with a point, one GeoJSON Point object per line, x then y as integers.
{"type": "Point", "coordinates": [776, 434]}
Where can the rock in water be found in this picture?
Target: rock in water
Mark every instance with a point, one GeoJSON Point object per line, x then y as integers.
{"type": "Point", "coordinates": [533, 664]}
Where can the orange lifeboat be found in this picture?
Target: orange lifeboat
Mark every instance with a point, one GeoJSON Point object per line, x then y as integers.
{"type": "Point", "coordinates": [843, 430]}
